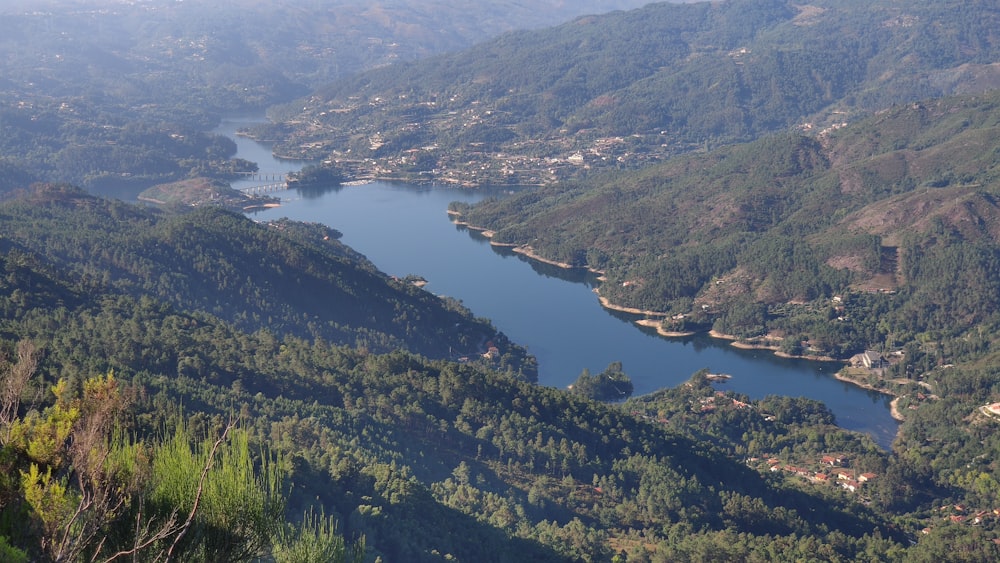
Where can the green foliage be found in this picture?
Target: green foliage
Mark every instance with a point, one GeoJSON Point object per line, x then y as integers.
{"type": "Point", "coordinates": [49, 500]}
{"type": "Point", "coordinates": [101, 151]}
{"type": "Point", "coordinates": [10, 553]}
{"type": "Point", "coordinates": [366, 416]}
{"type": "Point", "coordinates": [610, 385]}
{"type": "Point", "coordinates": [251, 275]}
{"type": "Point", "coordinates": [96, 492]}
{"type": "Point", "coordinates": [428, 458]}
{"type": "Point", "coordinates": [315, 540]}
{"type": "Point", "coordinates": [312, 177]}
{"type": "Point", "coordinates": [238, 507]}
{"type": "Point", "coordinates": [43, 436]}
{"type": "Point", "coordinates": [424, 458]}
{"type": "Point", "coordinates": [760, 238]}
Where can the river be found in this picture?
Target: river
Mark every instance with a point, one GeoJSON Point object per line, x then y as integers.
{"type": "Point", "coordinates": [404, 229]}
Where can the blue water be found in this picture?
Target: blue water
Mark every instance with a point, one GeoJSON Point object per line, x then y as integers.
{"type": "Point", "coordinates": [404, 229]}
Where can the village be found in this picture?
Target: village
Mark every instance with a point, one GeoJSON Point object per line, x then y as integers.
{"type": "Point", "coordinates": [833, 469]}
{"type": "Point", "coordinates": [477, 166]}
{"type": "Point", "coordinates": [837, 470]}
{"type": "Point", "coordinates": [490, 153]}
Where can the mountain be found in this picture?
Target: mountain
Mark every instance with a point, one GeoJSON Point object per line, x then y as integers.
{"type": "Point", "coordinates": [117, 96]}
{"type": "Point", "coordinates": [288, 278]}
{"type": "Point", "coordinates": [880, 205]}
{"type": "Point", "coordinates": [428, 459]}
{"type": "Point", "coordinates": [243, 54]}
{"type": "Point", "coordinates": [135, 344]}
{"type": "Point", "coordinates": [627, 88]}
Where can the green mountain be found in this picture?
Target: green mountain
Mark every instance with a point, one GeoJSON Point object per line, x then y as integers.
{"type": "Point", "coordinates": [292, 279]}
{"type": "Point", "coordinates": [427, 458]}
{"type": "Point", "coordinates": [185, 382]}
{"type": "Point", "coordinates": [627, 88]}
{"type": "Point", "coordinates": [893, 203]}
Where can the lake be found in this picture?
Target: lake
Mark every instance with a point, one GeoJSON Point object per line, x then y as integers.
{"type": "Point", "coordinates": [404, 229]}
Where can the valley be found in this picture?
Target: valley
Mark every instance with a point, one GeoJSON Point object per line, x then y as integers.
{"type": "Point", "coordinates": [352, 375]}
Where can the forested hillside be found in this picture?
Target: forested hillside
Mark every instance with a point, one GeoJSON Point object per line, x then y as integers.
{"type": "Point", "coordinates": [881, 235]}
{"type": "Point", "coordinates": [897, 211]}
{"type": "Point", "coordinates": [427, 459]}
{"type": "Point", "coordinates": [189, 384]}
{"type": "Point", "coordinates": [627, 88]}
{"type": "Point", "coordinates": [289, 278]}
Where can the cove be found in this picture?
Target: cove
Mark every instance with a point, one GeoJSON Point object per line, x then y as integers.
{"type": "Point", "coordinates": [404, 229]}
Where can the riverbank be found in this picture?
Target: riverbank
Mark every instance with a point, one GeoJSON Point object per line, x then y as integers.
{"type": "Point", "coordinates": [606, 303]}
{"type": "Point", "coordinates": [481, 230]}
{"type": "Point", "coordinates": [653, 323]}
{"type": "Point", "coordinates": [530, 253]}
{"type": "Point", "coordinates": [559, 320]}
{"type": "Point", "coordinates": [844, 375]}
{"type": "Point", "coordinates": [775, 348]}
{"type": "Point", "coordinates": [522, 249]}
{"type": "Point", "coordinates": [894, 410]}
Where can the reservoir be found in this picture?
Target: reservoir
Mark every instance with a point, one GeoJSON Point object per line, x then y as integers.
{"type": "Point", "coordinates": [404, 229]}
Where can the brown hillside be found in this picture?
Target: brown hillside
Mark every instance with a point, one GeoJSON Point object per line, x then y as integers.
{"type": "Point", "coordinates": [965, 209]}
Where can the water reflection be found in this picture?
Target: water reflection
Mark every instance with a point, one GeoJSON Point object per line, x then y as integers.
{"type": "Point", "coordinates": [572, 275]}
{"type": "Point", "coordinates": [316, 191]}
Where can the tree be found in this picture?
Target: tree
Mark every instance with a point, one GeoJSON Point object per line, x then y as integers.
{"type": "Point", "coordinates": [14, 378]}
{"type": "Point", "coordinates": [72, 486]}
{"type": "Point", "coordinates": [89, 489]}
{"type": "Point", "coordinates": [612, 384]}
{"type": "Point", "coordinates": [315, 540]}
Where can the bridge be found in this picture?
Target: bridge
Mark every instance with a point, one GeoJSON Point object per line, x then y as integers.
{"type": "Point", "coordinates": [265, 188]}
{"type": "Point", "coordinates": [268, 182]}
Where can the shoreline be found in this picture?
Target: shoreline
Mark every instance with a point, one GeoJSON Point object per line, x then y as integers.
{"type": "Point", "coordinates": [841, 376]}
{"type": "Point", "coordinates": [528, 252]}
{"type": "Point", "coordinates": [522, 249]}
{"type": "Point", "coordinates": [893, 404]}
{"type": "Point", "coordinates": [653, 323]}
{"type": "Point", "coordinates": [607, 304]}
{"type": "Point", "coordinates": [894, 411]}
{"type": "Point", "coordinates": [256, 207]}
{"type": "Point", "coordinates": [771, 347]}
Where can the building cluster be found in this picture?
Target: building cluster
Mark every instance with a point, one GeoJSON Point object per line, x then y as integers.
{"type": "Point", "coordinates": [709, 404]}
{"type": "Point", "coordinates": [833, 469]}
{"type": "Point", "coordinates": [959, 514]}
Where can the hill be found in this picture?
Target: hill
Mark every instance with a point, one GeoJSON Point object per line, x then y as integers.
{"type": "Point", "coordinates": [134, 342]}
{"type": "Point", "coordinates": [881, 205]}
{"type": "Point", "coordinates": [241, 55]}
{"type": "Point", "coordinates": [628, 88]}
{"type": "Point", "coordinates": [293, 279]}
{"type": "Point", "coordinates": [203, 191]}
{"type": "Point", "coordinates": [427, 458]}
{"type": "Point", "coordinates": [117, 96]}
{"type": "Point", "coordinates": [880, 235]}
